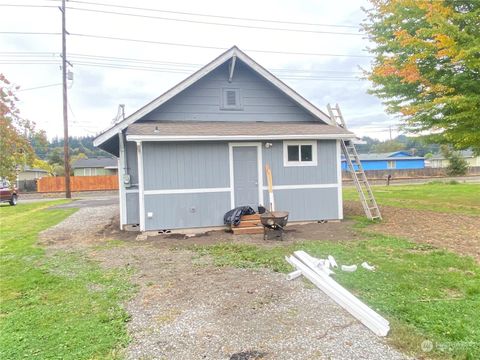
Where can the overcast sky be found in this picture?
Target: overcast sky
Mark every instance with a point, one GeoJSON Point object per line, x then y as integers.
{"type": "Point", "coordinates": [99, 85]}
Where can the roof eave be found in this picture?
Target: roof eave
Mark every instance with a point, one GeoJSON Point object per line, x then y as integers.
{"type": "Point", "coordinates": [170, 138]}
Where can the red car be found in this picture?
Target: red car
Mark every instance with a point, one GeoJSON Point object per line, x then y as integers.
{"type": "Point", "coordinates": [8, 194]}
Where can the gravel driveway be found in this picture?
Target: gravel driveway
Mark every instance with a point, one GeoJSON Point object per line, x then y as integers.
{"type": "Point", "coordinates": [186, 308]}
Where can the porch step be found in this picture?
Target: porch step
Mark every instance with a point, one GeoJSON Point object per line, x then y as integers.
{"type": "Point", "coordinates": [247, 230]}
{"type": "Point", "coordinates": [248, 223]}
{"type": "Point", "coordinates": [250, 217]}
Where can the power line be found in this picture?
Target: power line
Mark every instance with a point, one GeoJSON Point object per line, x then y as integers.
{"type": "Point", "coordinates": [183, 45]}
{"type": "Point", "coordinates": [213, 16]}
{"type": "Point", "coordinates": [153, 69]}
{"type": "Point", "coordinates": [213, 47]}
{"type": "Point", "coordinates": [28, 33]}
{"type": "Point", "coordinates": [215, 23]}
{"type": "Point", "coordinates": [39, 87]}
{"type": "Point", "coordinates": [291, 76]}
{"type": "Point", "coordinates": [89, 57]}
{"type": "Point", "coordinates": [29, 6]}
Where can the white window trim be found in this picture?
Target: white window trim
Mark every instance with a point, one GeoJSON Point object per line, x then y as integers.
{"type": "Point", "coordinates": [141, 185]}
{"type": "Point", "coordinates": [393, 162]}
{"type": "Point", "coordinates": [238, 99]}
{"type": "Point", "coordinates": [287, 163]}
{"type": "Point", "coordinates": [339, 180]}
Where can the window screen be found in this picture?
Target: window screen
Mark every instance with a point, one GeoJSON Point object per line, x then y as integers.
{"type": "Point", "coordinates": [293, 153]}
{"type": "Point", "coordinates": [306, 152]}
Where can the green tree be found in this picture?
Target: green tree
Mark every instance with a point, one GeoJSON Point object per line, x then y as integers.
{"type": "Point", "coordinates": [55, 156]}
{"type": "Point", "coordinates": [457, 166]}
{"type": "Point", "coordinates": [15, 149]}
{"type": "Point", "coordinates": [426, 65]}
{"type": "Point", "coordinates": [388, 146]}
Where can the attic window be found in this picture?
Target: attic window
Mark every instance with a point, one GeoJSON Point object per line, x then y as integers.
{"type": "Point", "coordinates": [231, 99]}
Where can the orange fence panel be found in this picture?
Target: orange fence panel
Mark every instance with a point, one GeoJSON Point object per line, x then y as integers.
{"type": "Point", "coordinates": [78, 183]}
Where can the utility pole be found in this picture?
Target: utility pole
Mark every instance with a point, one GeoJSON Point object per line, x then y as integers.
{"type": "Point", "coordinates": [390, 129]}
{"type": "Point", "coordinates": [66, 155]}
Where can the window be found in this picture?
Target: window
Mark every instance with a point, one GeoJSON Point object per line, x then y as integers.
{"type": "Point", "coordinates": [300, 153]}
{"type": "Point", "coordinates": [231, 99]}
{"type": "Point", "coordinates": [391, 164]}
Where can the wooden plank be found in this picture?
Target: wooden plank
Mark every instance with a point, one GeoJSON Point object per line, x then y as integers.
{"type": "Point", "coordinates": [250, 217]}
{"type": "Point", "coordinates": [248, 230]}
{"type": "Point", "coordinates": [248, 223]}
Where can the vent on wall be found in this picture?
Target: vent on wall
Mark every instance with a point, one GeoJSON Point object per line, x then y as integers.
{"type": "Point", "coordinates": [231, 99]}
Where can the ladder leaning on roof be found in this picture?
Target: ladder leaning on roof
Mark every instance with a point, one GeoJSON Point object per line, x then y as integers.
{"type": "Point", "coordinates": [355, 166]}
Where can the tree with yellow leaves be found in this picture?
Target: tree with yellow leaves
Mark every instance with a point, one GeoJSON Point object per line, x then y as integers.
{"type": "Point", "coordinates": [426, 65]}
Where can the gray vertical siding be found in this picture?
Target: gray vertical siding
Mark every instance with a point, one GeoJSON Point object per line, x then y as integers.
{"type": "Point", "coordinates": [186, 210]}
{"type": "Point", "coordinates": [307, 204]}
{"type": "Point", "coordinates": [261, 101]}
{"type": "Point", "coordinates": [132, 208]}
{"type": "Point", "coordinates": [186, 165]}
{"type": "Point", "coordinates": [324, 173]}
{"type": "Point", "coordinates": [132, 166]}
{"type": "Point", "coordinates": [200, 165]}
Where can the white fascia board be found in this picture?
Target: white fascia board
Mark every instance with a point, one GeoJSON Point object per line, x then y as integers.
{"type": "Point", "coordinates": [283, 87]}
{"type": "Point", "coordinates": [164, 97]}
{"type": "Point", "coordinates": [340, 295]}
{"type": "Point", "coordinates": [200, 74]}
{"type": "Point", "coordinates": [238, 137]}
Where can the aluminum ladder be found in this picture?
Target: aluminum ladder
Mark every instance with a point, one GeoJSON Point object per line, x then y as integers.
{"type": "Point", "coordinates": [355, 166]}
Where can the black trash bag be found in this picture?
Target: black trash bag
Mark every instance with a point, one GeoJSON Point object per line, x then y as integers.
{"type": "Point", "coordinates": [233, 216]}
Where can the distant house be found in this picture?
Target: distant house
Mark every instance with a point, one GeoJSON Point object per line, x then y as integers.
{"type": "Point", "coordinates": [95, 166]}
{"type": "Point", "coordinates": [389, 161]}
{"type": "Point", "coordinates": [31, 174]}
{"type": "Point", "coordinates": [439, 161]}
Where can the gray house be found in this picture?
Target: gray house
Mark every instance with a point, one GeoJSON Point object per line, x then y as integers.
{"type": "Point", "coordinates": [95, 166]}
{"type": "Point", "coordinates": [200, 149]}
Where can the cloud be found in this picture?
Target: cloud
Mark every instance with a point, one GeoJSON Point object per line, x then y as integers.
{"type": "Point", "coordinates": [97, 91]}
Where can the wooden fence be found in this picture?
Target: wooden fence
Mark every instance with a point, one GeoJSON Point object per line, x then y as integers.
{"type": "Point", "coordinates": [78, 183]}
{"type": "Point", "coordinates": [409, 173]}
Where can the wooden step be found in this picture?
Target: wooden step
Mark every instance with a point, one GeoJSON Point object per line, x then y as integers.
{"type": "Point", "coordinates": [250, 217]}
{"type": "Point", "coordinates": [247, 230]}
{"type": "Point", "coordinates": [248, 223]}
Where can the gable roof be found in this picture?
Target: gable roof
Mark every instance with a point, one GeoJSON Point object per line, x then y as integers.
{"type": "Point", "coordinates": [97, 162]}
{"type": "Point", "coordinates": [227, 55]}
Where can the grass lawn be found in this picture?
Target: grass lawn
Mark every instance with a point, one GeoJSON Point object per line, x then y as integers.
{"type": "Point", "coordinates": [55, 307]}
{"type": "Point", "coordinates": [435, 196]}
{"type": "Point", "coordinates": [426, 293]}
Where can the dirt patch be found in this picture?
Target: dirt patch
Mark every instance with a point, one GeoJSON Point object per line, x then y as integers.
{"type": "Point", "coordinates": [455, 232]}
{"type": "Point", "coordinates": [329, 231]}
{"type": "Point", "coordinates": [186, 308]}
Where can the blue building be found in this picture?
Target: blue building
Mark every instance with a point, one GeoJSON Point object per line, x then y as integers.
{"type": "Point", "coordinates": [389, 161]}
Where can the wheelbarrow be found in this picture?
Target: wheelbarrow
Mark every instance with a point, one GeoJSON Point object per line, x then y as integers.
{"type": "Point", "coordinates": [273, 222]}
